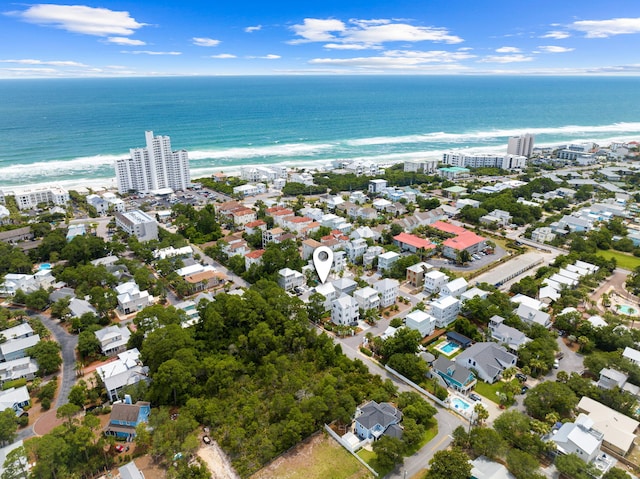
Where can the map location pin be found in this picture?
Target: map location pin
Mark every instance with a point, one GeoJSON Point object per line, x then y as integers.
{"type": "Point", "coordinates": [322, 261]}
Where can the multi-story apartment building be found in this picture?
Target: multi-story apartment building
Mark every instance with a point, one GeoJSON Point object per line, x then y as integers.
{"type": "Point", "coordinates": [139, 224]}
{"type": "Point", "coordinates": [153, 167]}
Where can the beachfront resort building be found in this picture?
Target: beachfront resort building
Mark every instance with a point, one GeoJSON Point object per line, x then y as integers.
{"type": "Point", "coordinates": [154, 167]}
{"type": "Point", "coordinates": [464, 160]}
{"type": "Point", "coordinates": [29, 198]}
{"type": "Point", "coordinates": [521, 145]}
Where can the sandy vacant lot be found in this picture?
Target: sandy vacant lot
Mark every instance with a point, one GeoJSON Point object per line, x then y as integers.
{"type": "Point", "coordinates": [217, 462]}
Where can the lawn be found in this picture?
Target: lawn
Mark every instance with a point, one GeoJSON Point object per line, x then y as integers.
{"type": "Point", "coordinates": [490, 391]}
{"type": "Point", "coordinates": [625, 261]}
{"type": "Point", "coordinates": [317, 458]}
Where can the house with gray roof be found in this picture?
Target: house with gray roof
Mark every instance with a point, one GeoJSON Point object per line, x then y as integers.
{"type": "Point", "coordinates": [17, 348]}
{"type": "Point", "coordinates": [611, 378]}
{"type": "Point", "coordinates": [78, 307]}
{"type": "Point", "coordinates": [488, 359]}
{"type": "Point", "coordinates": [512, 338]}
{"type": "Point", "coordinates": [130, 471]}
{"type": "Point", "coordinates": [454, 375]}
{"type": "Point", "coordinates": [373, 420]}
{"type": "Point", "coordinates": [113, 339]}
{"type": "Point", "coordinates": [533, 316]}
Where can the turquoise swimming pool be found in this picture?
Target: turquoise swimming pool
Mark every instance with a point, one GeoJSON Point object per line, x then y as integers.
{"type": "Point", "coordinates": [44, 266]}
{"type": "Point", "coordinates": [459, 404]}
{"type": "Point", "coordinates": [628, 310]}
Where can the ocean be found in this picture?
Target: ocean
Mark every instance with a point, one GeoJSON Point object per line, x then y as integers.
{"type": "Point", "coordinates": [70, 131]}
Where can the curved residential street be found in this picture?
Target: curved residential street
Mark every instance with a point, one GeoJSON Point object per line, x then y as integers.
{"type": "Point", "coordinates": [68, 343]}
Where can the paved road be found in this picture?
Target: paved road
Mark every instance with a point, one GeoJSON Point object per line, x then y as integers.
{"type": "Point", "coordinates": [68, 344]}
{"type": "Point", "coordinates": [447, 421]}
{"type": "Point", "coordinates": [241, 283]}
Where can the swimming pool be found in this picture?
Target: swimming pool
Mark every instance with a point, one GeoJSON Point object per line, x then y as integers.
{"type": "Point", "coordinates": [626, 309]}
{"type": "Point", "coordinates": [459, 404]}
{"type": "Point", "coordinates": [44, 266]}
{"type": "Point", "coordinates": [449, 348]}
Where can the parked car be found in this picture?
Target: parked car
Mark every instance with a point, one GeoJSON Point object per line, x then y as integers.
{"type": "Point", "coordinates": [524, 389]}
{"type": "Point", "coordinates": [560, 355]}
{"type": "Point", "coordinates": [206, 439]}
{"type": "Point", "coordinates": [556, 364]}
{"type": "Point", "coordinates": [475, 397]}
{"type": "Point", "coordinates": [119, 447]}
{"type": "Point", "coordinates": [521, 377]}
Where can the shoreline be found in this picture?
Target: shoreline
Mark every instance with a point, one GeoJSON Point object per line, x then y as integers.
{"type": "Point", "coordinates": [313, 165]}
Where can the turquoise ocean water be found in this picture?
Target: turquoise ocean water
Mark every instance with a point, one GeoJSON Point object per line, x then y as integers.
{"type": "Point", "coordinates": [71, 130]}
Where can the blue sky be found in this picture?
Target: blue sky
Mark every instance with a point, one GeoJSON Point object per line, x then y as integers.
{"type": "Point", "coordinates": [147, 38]}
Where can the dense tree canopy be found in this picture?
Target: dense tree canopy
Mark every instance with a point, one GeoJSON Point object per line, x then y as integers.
{"type": "Point", "coordinates": [255, 372]}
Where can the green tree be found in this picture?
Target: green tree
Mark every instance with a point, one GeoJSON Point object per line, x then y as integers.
{"type": "Point", "coordinates": [37, 300]}
{"type": "Point", "coordinates": [574, 467]}
{"type": "Point", "coordinates": [15, 464]}
{"type": "Point", "coordinates": [523, 465]}
{"type": "Point", "coordinates": [60, 309]}
{"type": "Point", "coordinates": [613, 473]}
{"type": "Point", "coordinates": [8, 426]}
{"type": "Point", "coordinates": [549, 397]}
{"type": "Point", "coordinates": [487, 442]}
{"type": "Point", "coordinates": [47, 354]}
{"type": "Point", "coordinates": [388, 452]}
{"type": "Point", "coordinates": [79, 394]}
{"type": "Point", "coordinates": [315, 307]}
{"type": "Point", "coordinates": [88, 344]}
{"type": "Point", "coordinates": [451, 464]}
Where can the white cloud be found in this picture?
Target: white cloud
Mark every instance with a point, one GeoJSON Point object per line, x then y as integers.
{"type": "Point", "coordinates": [346, 46]}
{"type": "Point", "coordinates": [361, 34]}
{"type": "Point", "coordinates": [556, 34]}
{"type": "Point", "coordinates": [205, 42]}
{"type": "Point", "coordinates": [270, 56]}
{"type": "Point", "coordinates": [317, 30]}
{"type": "Point", "coordinates": [401, 59]}
{"type": "Point", "coordinates": [81, 19]}
{"type": "Point", "coordinates": [223, 56]}
{"type": "Point", "coordinates": [253, 29]}
{"type": "Point", "coordinates": [554, 49]}
{"type": "Point", "coordinates": [57, 63]}
{"type": "Point", "coordinates": [607, 28]}
{"type": "Point", "coordinates": [149, 52]}
{"type": "Point", "coordinates": [125, 41]}
{"type": "Point", "coordinates": [506, 59]}
{"type": "Point", "coordinates": [508, 50]}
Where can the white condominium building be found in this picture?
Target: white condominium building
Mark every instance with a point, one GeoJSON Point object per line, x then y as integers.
{"type": "Point", "coordinates": [30, 198]}
{"type": "Point", "coordinates": [139, 224]}
{"type": "Point", "coordinates": [153, 167]}
{"type": "Point", "coordinates": [521, 145]}
{"type": "Point", "coordinates": [506, 162]}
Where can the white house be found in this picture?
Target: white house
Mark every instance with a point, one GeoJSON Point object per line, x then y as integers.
{"type": "Point", "coordinates": [18, 368]}
{"type": "Point", "coordinates": [579, 438]}
{"type": "Point", "coordinates": [113, 339]}
{"type": "Point", "coordinates": [388, 289]}
{"type": "Point", "coordinates": [131, 299]}
{"type": "Point", "coordinates": [433, 281]}
{"type": "Point", "coordinates": [377, 186]}
{"type": "Point", "coordinates": [473, 293]}
{"type": "Point", "coordinates": [345, 311]}
{"type": "Point", "coordinates": [445, 310]}
{"type": "Point", "coordinates": [632, 355]}
{"type": "Point", "coordinates": [501, 333]}
{"type": "Point", "coordinates": [421, 321]}
{"type": "Point", "coordinates": [289, 279]}
{"type": "Point", "coordinates": [367, 298]}
{"type": "Point", "coordinates": [454, 288]}
{"type": "Point", "coordinates": [127, 370]}
{"type": "Point", "coordinates": [528, 301]}
{"type": "Point", "coordinates": [15, 398]}
{"type": "Point", "coordinates": [329, 292]}
{"type": "Point", "coordinates": [355, 248]}
{"type": "Point", "coordinates": [530, 316]}
{"type": "Point", "coordinates": [386, 260]}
